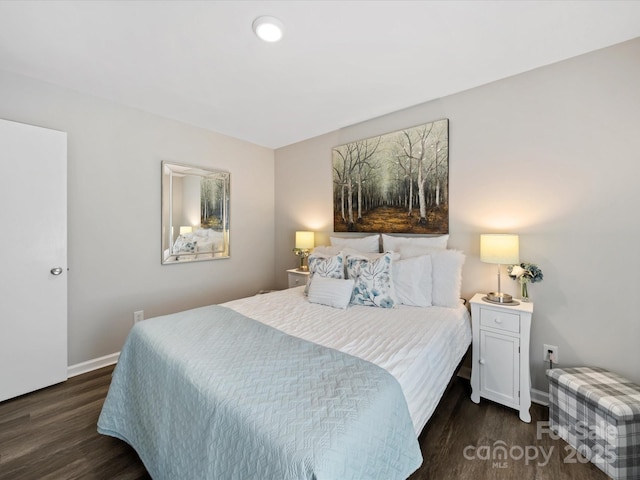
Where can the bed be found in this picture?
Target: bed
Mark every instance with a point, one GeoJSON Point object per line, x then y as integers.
{"type": "Point", "coordinates": [204, 243]}
{"type": "Point", "coordinates": [420, 347]}
{"type": "Point", "coordinates": [278, 386]}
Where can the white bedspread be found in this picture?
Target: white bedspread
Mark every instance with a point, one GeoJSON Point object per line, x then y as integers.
{"type": "Point", "coordinates": [420, 347]}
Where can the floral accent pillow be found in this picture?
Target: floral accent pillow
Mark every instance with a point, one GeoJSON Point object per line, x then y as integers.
{"type": "Point", "coordinates": [373, 282]}
{"type": "Point", "coordinates": [328, 266]}
{"type": "Point", "coordinates": [184, 245]}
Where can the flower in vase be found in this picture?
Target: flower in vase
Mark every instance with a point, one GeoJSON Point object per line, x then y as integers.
{"type": "Point", "coordinates": [525, 273]}
{"type": "Point", "coordinates": [515, 271]}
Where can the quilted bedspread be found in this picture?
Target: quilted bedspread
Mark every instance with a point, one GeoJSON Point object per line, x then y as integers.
{"type": "Point", "coordinates": [212, 394]}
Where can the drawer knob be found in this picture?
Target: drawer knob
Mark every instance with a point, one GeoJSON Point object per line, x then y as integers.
{"type": "Point", "coordinates": [481, 361]}
{"type": "Point", "coordinates": [497, 320]}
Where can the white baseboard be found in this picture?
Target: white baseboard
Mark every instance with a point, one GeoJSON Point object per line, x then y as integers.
{"type": "Point", "coordinates": [90, 365]}
{"type": "Point", "coordinates": [540, 397]}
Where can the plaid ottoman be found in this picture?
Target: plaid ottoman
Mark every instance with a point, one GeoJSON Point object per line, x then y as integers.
{"type": "Point", "coordinates": [598, 413]}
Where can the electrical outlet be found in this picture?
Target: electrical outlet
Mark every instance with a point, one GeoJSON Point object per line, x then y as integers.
{"type": "Point", "coordinates": [545, 353]}
{"type": "Point", "coordinates": [138, 316]}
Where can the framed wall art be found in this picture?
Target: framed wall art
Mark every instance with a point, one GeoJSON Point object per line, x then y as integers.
{"type": "Point", "coordinates": [394, 183]}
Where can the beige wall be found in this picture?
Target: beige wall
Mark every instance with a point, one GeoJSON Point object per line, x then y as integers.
{"type": "Point", "coordinates": [551, 154]}
{"type": "Point", "coordinates": [114, 156]}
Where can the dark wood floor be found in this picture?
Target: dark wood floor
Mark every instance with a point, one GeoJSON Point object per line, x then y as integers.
{"type": "Point", "coordinates": [460, 435]}
{"type": "Point", "coordinates": [51, 434]}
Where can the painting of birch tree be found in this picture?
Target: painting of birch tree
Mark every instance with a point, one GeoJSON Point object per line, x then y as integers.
{"type": "Point", "coordinates": [214, 201]}
{"type": "Point", "coordinates": [394, 183]}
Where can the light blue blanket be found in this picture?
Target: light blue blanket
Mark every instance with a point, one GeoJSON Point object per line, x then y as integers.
{"type": "Point", "coordinates": [211, 394]}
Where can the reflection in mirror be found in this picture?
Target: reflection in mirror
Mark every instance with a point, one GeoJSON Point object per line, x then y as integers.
{"type": "Point", "coordinates": [195, 213]}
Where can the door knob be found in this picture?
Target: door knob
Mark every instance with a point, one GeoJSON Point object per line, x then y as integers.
{"type": "Point", "coordinates": [56, 271]}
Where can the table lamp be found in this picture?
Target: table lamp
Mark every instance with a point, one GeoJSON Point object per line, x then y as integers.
{"type": "Point", "coordinates": [305, 241]}
{"type": "Point", "coordinates": [503, 249]}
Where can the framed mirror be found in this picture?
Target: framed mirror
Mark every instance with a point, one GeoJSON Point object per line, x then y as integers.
{"type": "Point", "coordinates": [195, 213]}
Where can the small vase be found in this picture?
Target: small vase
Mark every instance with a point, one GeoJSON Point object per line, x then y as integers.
{"type": "Point", "coordinates": [524, 293]}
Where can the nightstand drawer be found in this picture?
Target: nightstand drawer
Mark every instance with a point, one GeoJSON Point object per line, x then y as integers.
{"type": "Point", "coordinates": [297, 278]}
{"type": "Point", "coordinates": [500, 320]}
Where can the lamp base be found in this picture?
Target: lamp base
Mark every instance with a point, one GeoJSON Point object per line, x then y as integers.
{"type": "Point", "coordinates": [512, 303]}
{"type": "Point", "coordinates": [499, 297]}
{"type": "Point", "coordinates": [303, 268]}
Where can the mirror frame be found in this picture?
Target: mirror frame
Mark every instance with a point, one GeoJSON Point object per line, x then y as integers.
{"type": "Point", "coordinates": [216, 240]}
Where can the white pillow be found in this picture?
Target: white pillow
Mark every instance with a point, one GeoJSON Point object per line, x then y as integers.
{"type": "Point", "coordinates": [325, 250]}
{"type": "Point", "coordinates": [370, 244]}
{"type": "Point", "coordinates": [334, 250]}
{"type": "Point", "coordinates": [390, 243]}
{"type": "Point", "coordinates": [446, 273]}
{"type": "Point", "coordinates": [205, 245]}
{"type": "Point", "coordinates": [203, 232]}
{"type": "Point", "coordinates": [447, 277]}
{"type": "Point", "coordinates": [333, 292]}
{"type": "Point", "coordinates": [412, 281]}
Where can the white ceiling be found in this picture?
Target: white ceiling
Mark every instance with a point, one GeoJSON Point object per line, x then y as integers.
{"type": "Point", "coordinates": [339, 63]}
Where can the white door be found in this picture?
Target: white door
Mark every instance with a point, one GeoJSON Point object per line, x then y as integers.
{"type": "Point", "coordinates": [499, 367]}
{"type": "Point", "coordinates": [33, 245]}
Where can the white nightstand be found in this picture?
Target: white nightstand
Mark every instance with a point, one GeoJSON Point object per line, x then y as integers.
{"type": "Point", "coordinates": [500, 360]}
{"type": "Point", "coordinates": [297, 277]}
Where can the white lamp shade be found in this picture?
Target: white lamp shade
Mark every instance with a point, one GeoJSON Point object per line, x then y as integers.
{"type": "Point", "coordinates": [501, 248]}
{"type": "Point", "coordinates": [305, 240]}
{"type": "Point", "coordinates": [185, 229]}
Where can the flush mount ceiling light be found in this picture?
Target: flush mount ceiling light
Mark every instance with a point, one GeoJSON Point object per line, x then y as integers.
{"type": "Point", "coordinates": [268, 29]}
